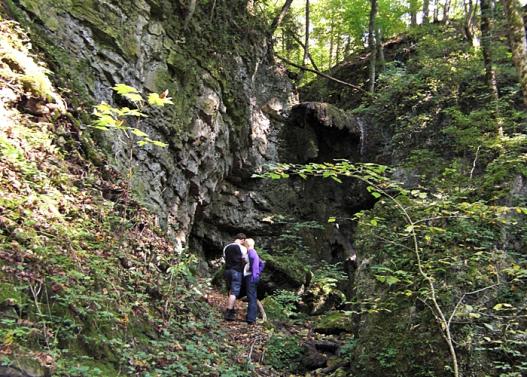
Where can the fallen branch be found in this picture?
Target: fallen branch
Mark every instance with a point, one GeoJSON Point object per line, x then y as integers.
{"type": "Point", "coordinates": [321, 74]}
{"type": "Point", "coordinates": [333, 368]}
{"type": "Point", "coordinates": [251, 351]}
{"type": "Point", "coordinates": [475, 160]}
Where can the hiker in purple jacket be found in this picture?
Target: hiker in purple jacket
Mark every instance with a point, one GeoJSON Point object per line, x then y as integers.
{"type": "Point", "coordinates": [251, 275]}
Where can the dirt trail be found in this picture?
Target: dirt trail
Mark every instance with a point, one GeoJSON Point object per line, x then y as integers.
{"type": "Point", "coordinates": [251, 338]}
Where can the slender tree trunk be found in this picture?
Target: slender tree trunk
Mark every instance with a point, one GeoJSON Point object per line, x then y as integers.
{"type": "Point", "coordinates": [486, 43]}
{"type": "Point", "coordinates": [436, 11]}
{"type": "Point", "coordinates": [371, 44]}
{"type": "Point", "coordinates": [413, 12]}
{"type": "Point", "coordinates": [468, 27]}
{"type": "Point", "coordinates": [191, 10]}
{"type": "Point", "coordinates": [380, 49]}
{"type": "Point", "coordinates": [331, 42]}
{"type": "Point", "coordinates": [280, 16]}
{"type": "Point", "coordinates": [426, 11]}
{"type": "Point", "coordinates": [250, 7]}
{"type": "Point", "coordinates": [446, 11]}
{"type": "Point", "coordinates": [339, 38]}
{"type": "Point", "coordinates": [284, 44]}
{"type": "Point", "coordinates": [297, 40]}
{"type": "Point", "coordinates": [306, 43]}
{"type": "Point", "coordinates": [516, 27]}
{"type": "Point", "coordinates": [347, 48]}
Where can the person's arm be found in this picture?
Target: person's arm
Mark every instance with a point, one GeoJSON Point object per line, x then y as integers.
{"type": "Point", "coordinates": [254, 261]}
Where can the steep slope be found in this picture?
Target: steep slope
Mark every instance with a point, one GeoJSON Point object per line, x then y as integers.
{"type": "Point", "coordinates": [88, 284]}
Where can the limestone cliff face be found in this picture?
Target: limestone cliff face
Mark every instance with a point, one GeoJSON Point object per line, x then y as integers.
{"type": "Point", "coordinates": [231, 117]}
{"type": "Point", "coordinates": [230, 99]}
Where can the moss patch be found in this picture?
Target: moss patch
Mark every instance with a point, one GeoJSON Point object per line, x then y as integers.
{"type": "Point", "coordinates": [334, 323]}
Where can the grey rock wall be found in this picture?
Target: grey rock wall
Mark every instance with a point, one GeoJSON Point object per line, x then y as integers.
{"type": "Point", "coordinates": [230, 99]}
{"type": "Point", "coordinates": [229, 120]}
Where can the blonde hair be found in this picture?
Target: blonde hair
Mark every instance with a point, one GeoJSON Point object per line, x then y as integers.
{"type": "Point", "coordinates": [249, 242]}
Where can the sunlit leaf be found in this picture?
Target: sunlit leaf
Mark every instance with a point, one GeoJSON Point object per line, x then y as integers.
{"type": "Point", "coordinates": [155, 99]}
{"type": "Point", "coordinates": [138, 132]}
{"type": "Point", "coordinates": [134, 97]}
{"type": "Point", "coordinates": [123, 89]}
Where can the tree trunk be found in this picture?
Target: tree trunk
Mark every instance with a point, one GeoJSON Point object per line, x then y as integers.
{"type": "Point", "coordinates": [446, 11]}
{"type": "Point", "coordinates": [486, 44]}
{"type": "Point", "coordinates": [331, 42]}
{"type": "Point", "coordinates": [372, 45]}
{"type": "Point", "coordinates": [347, 48]}
{"type": "Point", "coordinates": [297, 40]}
{"type": "Point", "coordinates": [250, 7]}
{"type": "Point", "coordinates": [516, 27]}
{"type": "Point", "coordinates": [284, 44]}
{"type": "Point", "coordinates": [191, 10]}
{"type": "Point", "coordinates": [339, 37]}
{"type": "Point", "coordinates": [436, 11]}
{"type": "Point", "coordinates": [468, 21]}
{"type": "Point", "coordinates": [426, 11]}
{"type": "Point", "coordinates": [380, 50]}
{"type": "Point", "coordinates": [413, 12]}
{"type": "Point", "coordinates": [306, 43]}
{"type": "Point", "coordinates": [280, 16]}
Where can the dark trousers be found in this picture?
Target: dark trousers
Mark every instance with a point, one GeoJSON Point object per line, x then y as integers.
{"type": "Point", "coordinates": [252, 308]}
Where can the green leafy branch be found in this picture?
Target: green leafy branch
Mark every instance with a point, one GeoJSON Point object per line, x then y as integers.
{"type": "Point", "coordinates": [438, 207]}
{"type": "Point", "coordinates": [109, 117]}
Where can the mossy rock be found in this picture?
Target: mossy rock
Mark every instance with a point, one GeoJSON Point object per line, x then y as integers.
{"type": "Point", "coordinates": [334, 323]}
{"type": "Point", "coordinates": [218, 280]}
{"type": "Point", "coordinates": [340, 372]}
{"type": "Point", "coordinates": [23, 366]}
{"type": "Point", "coordinates": [321, 298]}
{"type": "Point", "coordinates": [282, 271]}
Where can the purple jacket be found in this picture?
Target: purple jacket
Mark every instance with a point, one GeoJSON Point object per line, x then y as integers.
{"type": "Point", "coordinates": [254, 263]}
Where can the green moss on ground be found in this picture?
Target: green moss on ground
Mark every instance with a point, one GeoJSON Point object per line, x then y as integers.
{"type": "Point", "coordinates": [334, 323]}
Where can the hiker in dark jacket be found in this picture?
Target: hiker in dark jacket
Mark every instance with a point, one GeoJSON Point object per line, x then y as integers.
{"type": "Point", "coordinates": [235, 255]}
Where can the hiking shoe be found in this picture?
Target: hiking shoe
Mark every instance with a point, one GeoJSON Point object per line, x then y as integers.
{"type": "Point", "coordinates": [230, 315]}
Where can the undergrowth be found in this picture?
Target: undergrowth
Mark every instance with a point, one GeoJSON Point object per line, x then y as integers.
{"type": "Point", "coordinates": [88, 283]}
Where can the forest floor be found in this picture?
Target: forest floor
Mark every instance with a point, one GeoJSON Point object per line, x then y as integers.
{"type": "Point", "coordinates": [259, 350]}
{"type": "Point", "coordinates": [251, 338]}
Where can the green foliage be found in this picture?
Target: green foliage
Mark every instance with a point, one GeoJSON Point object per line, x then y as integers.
{"type": "Point", "coordinates": [329, 275]}
{"type": "Point", "coordinates": [109, 117]}
{"type": "Point", "coordinates": [387, 357]}
{"type": "Point", "coordinates": [283, 353]}
{"type": "Point", "coordinates": [338, 29]}
{"type": "Point", "coordinates": [89, 286]}
{"type": "Point", "coordinates": [285, 304]}
{"type": "Point", "coordinates": [434, 246]}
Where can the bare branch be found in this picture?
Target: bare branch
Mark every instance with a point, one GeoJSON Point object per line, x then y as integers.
{"type": "Point", "coordinates": [320, 74]}
{"type": "Point", "coordinates": [474, 163]}
{"type": "Point", "coordinates": [463, 297]}
{"type": "Point", "coordinates": [297, 40]}
{"type": "Point", "coordinates": [280, 17]}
